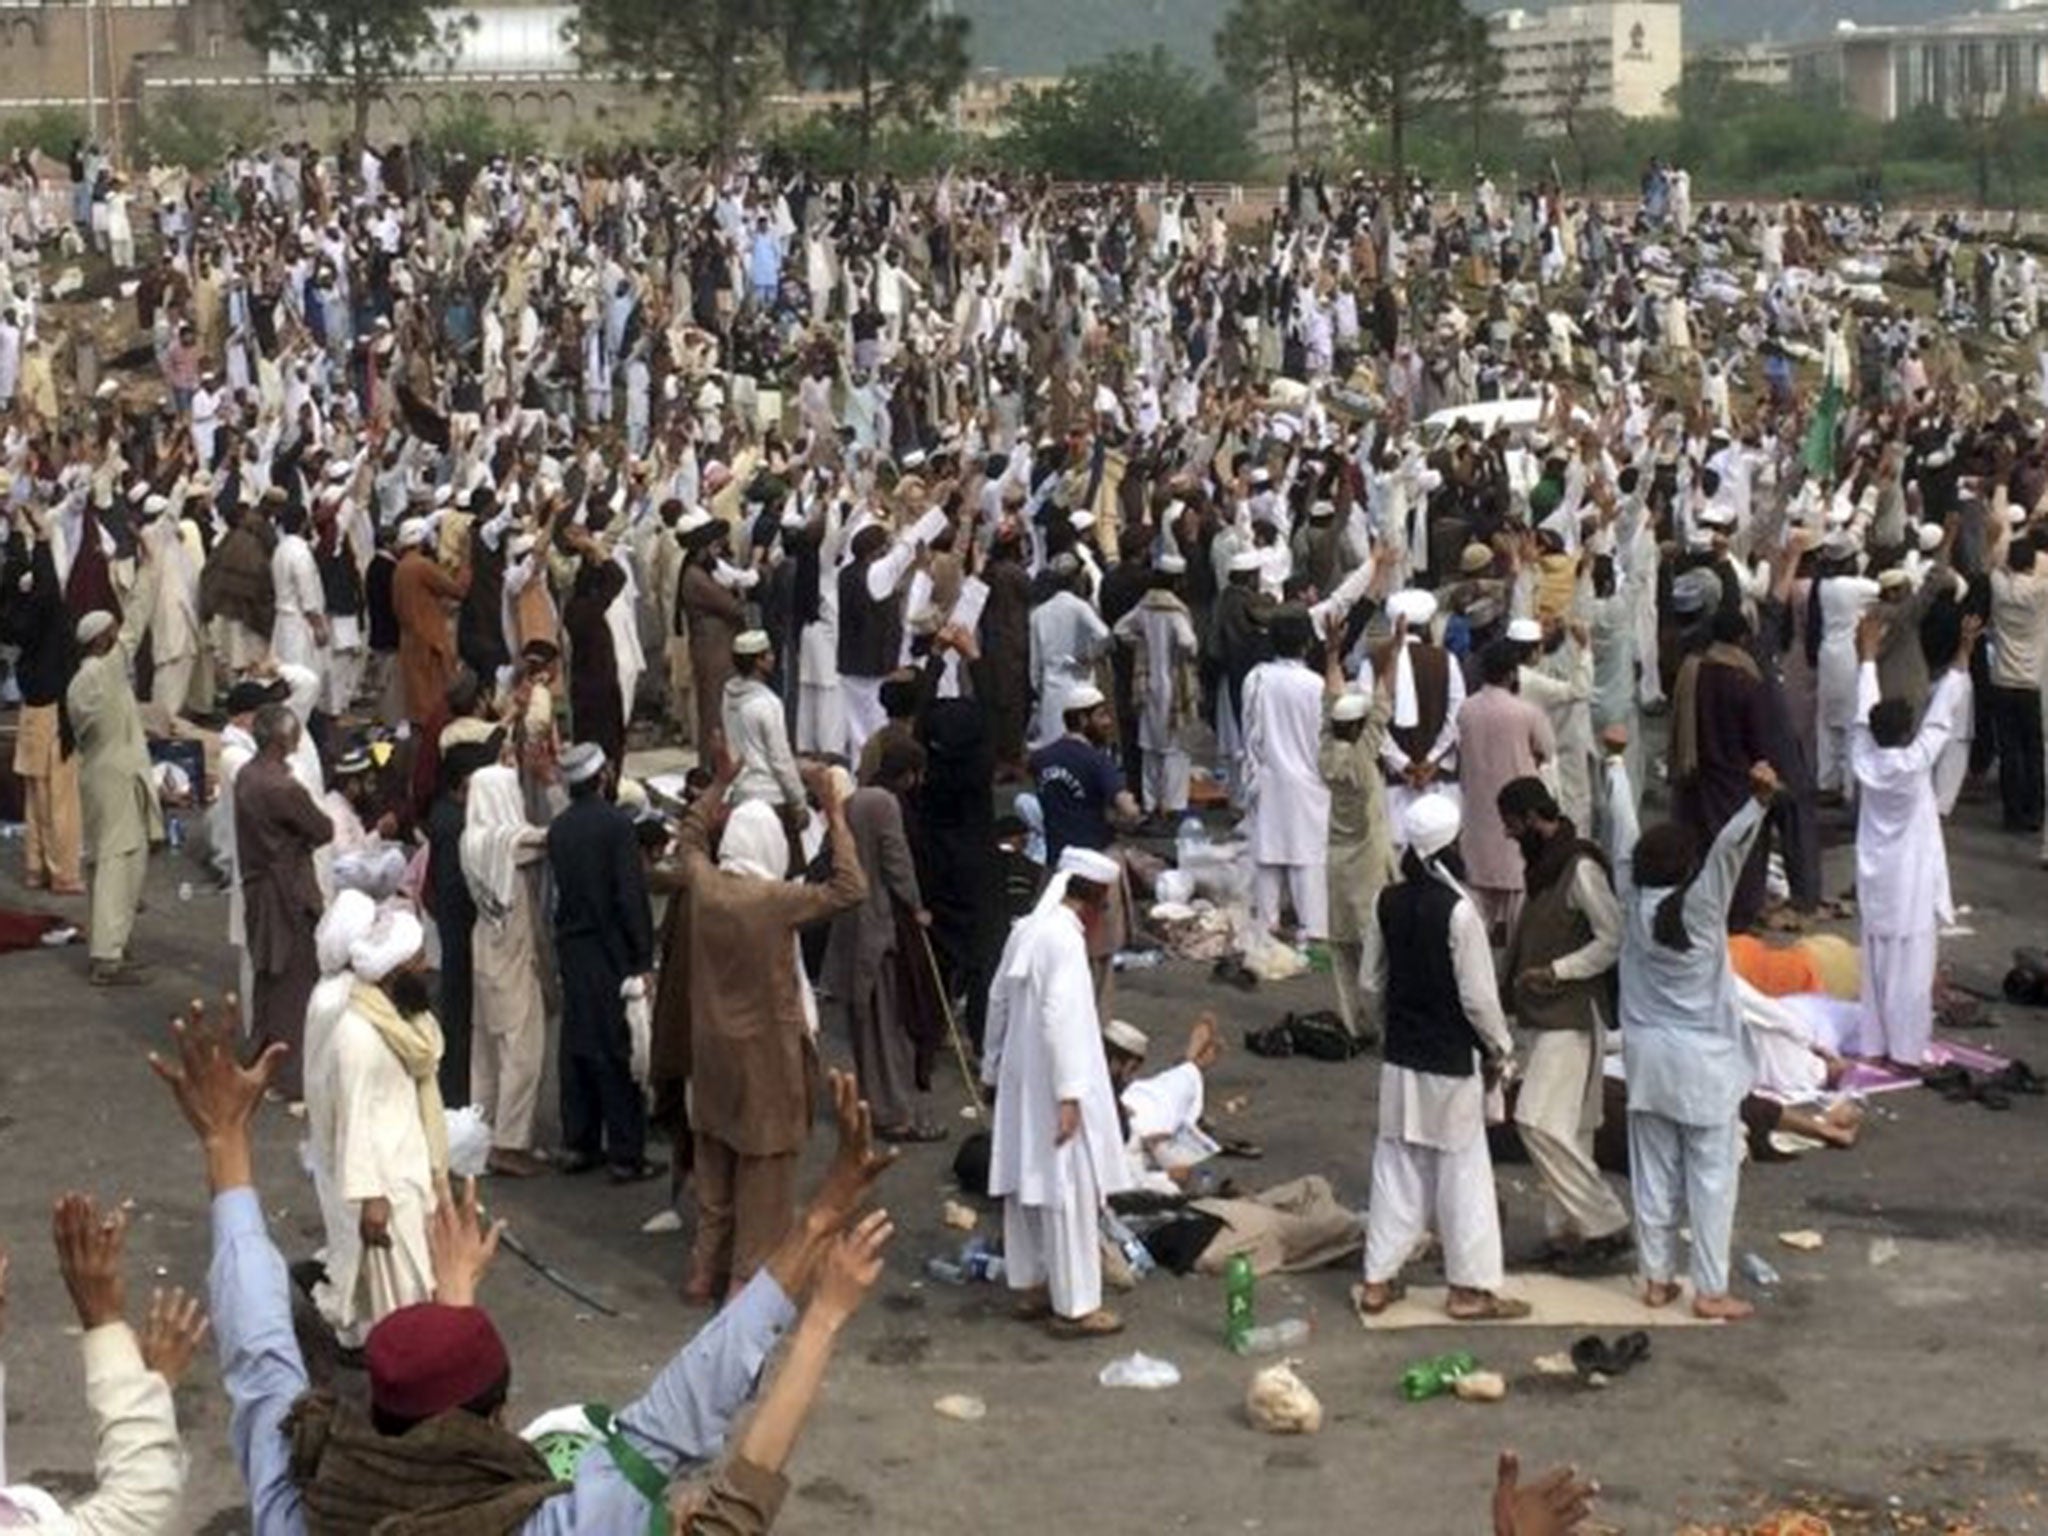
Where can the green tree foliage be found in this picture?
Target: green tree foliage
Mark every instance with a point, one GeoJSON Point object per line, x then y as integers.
{"type": "Point", "coordinates": [355, 47]}
{"type": "Point", "coordinates": [716, 50]}
{"type": "Point", "coordinates": [902, 62]}
{"type": "Point", "coordinates": [1131, 117]}
{"type": "Point", "coordinates": [192, 127]}
{"type": "Point", "coordinates": [1391, 63]}
{"type": "Point", "coordinates": [52, 130]}
{"type": "Point", "coordinates": [1270, 45]}
{"type": "Point", "coordinates": [464, 126]}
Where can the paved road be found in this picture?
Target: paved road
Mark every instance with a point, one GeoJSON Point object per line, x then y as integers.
{"type": "Point", "coordinates": [1916, 1380]}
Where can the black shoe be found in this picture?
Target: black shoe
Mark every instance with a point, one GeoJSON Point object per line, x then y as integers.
{"type": "Point", "coordinates": [577, 1162]}
{"type": "Point", "coordinates": [637, 1173]}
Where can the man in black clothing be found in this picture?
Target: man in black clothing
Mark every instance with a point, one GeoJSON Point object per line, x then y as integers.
{"type": "Point", "coordinates": [454, 908]}
{"type": "Point", "coordinates": [32, 616]}
{"type": "Point", "coordinates": [604, 939]}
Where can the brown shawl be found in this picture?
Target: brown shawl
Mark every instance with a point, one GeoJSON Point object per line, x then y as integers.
{"type": "Point", "coordinates": [454, 1475]}
{"type": "Point", "coordinates": [1685, 705]}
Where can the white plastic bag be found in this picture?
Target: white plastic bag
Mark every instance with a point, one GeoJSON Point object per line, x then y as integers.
{"type": "Point", "coordinates": [1141, 1371]}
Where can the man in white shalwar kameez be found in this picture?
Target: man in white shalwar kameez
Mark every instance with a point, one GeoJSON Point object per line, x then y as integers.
{"type": "Point", "coordinates": [1428, 982]}
{"type": "Point", "coordinates": [298, 634]}
{"type": "Point", "coordinates": [1067, 637]}
{"type": "Point", "coordinates": [1057, 1152]}
{"type": "Point", "coordinates": [1287, 805]}
{"type": "Point", "coordinates": [1902, 889]}
{"type": "Point", "coordinates": [172, 555]}
{"type": "Point", "coordinates": [375, 1120]}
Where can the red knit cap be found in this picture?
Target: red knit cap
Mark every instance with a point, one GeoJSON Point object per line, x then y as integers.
{"type": "Point", "coordinates": [429, 1358]}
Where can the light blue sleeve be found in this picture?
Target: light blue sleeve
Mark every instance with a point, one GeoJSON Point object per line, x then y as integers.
{"type": "Point", "coordinates": [249, 1294]}
{"type": "Point", "coordinates": [683, 1420]}
{"type": "Point", "coordinates": [1623, 829]}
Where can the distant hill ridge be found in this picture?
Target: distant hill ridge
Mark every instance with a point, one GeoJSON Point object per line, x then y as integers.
{"type": "Point", "coordinates": [1046, 37]}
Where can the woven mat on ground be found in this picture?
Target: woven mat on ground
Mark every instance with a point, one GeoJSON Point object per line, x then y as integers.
{"type": "Point", "coordinates": [1611, 1304]}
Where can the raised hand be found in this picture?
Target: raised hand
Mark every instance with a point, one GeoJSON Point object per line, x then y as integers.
{"type": "Point", "coordinates": [217, 1093]}
{"type": "Point", "coordinates": [855, 1166]}
{"type": "Point", "coordinates": [89, 1258]}
{"type": "Point", "coordinates": [172, 1333]}
{"type": "Point", "coordinates": [1556, 1504]}
{"type": "Point", "coordinates": [461, 1247]}
{"type": "Point", "coordinates": [852, 1267]}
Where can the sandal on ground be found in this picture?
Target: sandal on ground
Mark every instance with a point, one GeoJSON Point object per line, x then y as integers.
{"type": "Point", "coordinates": [1097, 1324]}
{"type": "Point", "coordinates": [1489, 1309]}
{"type": "Point", "coordinates": [1951, 1082]}
{"type": "Point", "coordinates": [1395, 1291]}
{"type": "Point", "coordinates": [916, 1134]}
{"type": "Point", "coordinates": [2018, 1077]}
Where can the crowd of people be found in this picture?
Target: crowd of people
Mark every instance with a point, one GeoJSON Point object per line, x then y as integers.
{"type": "Point", "coordinates": [369, 516]}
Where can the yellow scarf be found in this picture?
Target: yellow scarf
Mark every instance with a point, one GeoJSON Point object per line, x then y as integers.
{"type": "Point", "coordinates": [417, 1044]}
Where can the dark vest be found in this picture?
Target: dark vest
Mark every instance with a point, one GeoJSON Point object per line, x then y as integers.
{"type": "Point", "coordinates": [1550, 928]}
{"type": "Point", "coordinates": [1432, 700]}
{"type": "Point", "coordinates": [870, 630]}
{"type": "Point", "coordinates": [1427, 1030]}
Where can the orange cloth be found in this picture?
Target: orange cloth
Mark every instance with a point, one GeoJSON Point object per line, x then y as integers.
{"type": "Point", "coordinates": [1773, 971]}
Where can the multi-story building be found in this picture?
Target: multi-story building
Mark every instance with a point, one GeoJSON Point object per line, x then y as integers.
{"type": "Point", "coordinates": [1975, 65]}
{"type": "Point", "coordinates": [1621, 56]}
{"type": "Point", "coordinates": [1764, 63]}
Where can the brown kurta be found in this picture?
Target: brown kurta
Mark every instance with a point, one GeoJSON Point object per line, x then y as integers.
{"type": "Point", "coordinates": [420, 594]}
{"type": "Point", "coordinates": [713, 617]}
{"type": "Point", "coordinates": [861, 957]}
{"type": "Point", "coordinates": [277, 828]}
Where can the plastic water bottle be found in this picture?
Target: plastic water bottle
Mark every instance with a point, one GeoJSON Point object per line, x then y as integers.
{"type": "Point", "coordinates": [1238, 1285]}
{"type": "Point", "coordinates": [174, 832]}
{"type": "Point", "coordinates": [1434, 1377]}
{"type": "Point", "coordinates": [1759, 1270]}
{"type": "Point", "coordinates": [979, 1262]}
{"type": "Point", "coordinates": [1271, 1338]}
{"type": "Point", "coordinates": [944, 1270]}
{"type": "Point", "coordinates": [1133, 1248]}
{"type": "Point", "coordinates": [1191, 835]}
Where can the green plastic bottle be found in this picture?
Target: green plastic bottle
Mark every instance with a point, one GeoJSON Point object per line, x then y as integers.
{"type": "Point", "coordinates": [1237, 1302]}
{"type": "Point", "coordinates": [1433, 1378]}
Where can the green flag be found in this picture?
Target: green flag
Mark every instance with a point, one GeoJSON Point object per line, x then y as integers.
{"type": "Point", "coordinates": [1818, 451]}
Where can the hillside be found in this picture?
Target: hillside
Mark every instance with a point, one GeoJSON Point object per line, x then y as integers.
{"type": "Point", "coordinates": [1044, 37]}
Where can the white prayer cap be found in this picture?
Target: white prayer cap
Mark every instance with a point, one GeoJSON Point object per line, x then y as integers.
{"type": "Point", "coordinates": [108, 387]}
{"type": "Point", "coordinates": [1087, 864]}
{"type": "Point", "coordinates": [200, 485]}
{"type": "Point", "coordinates": [138, 489]}
{"type": "Point", "coordinates": [583, 761]}
{"type": "Point", "coordinates": [1525, 632]}
{"type": "Point", "coordinates": [444, 495]}
{"type": "Point", "coordinates": [1839, 541]}
{"type": "Point", "coordinates": [1262, 475]}
{"type": "Point", "coordinates": [393, 939]}
{"type": "Point", "coordinates": [1930, 537]}
{"type": "Point", "coordinates": [93, 625]}
{"type": "Point", "coordinates": [1350, 705]}
{"type": "Point", "coordinates": [694, 521]}
{"type": "Point", "coordinates": [1087, 696]}
{"type": "Point", "coordinates": [750, 642]}
{"type": "Point", "coordinates": [1170, 565]}
{"type": "Point", "coordinates": [912, 460]}
{"type": "Point", "coordinates": [156, 506]}
{"type": "Point", "coordinates": [1081, 521]}
{"type": "Point", "coordinates": [1127, 1038]}
{"type": "Point", "coordinates": [340, 470]}
{"type": "Point", "coordinates": [347, 920]}
{"type": "Point", "coordinates": [1322, 511]}
{"type": "Point", "coordinates": [519, 546]}
{"type": "Point", "coordinates": [413, 530]}
{"type": "Point", "coordinates": [793, 521]}
{"type": "Point", "coordinates": [1712, 516]}
{"type": "Point", "coordinates": [1413, 604]}
{"type": "Point", "coordinates": [1246, 560]}
{"type": "Point", "coordinates": [1431, 824]}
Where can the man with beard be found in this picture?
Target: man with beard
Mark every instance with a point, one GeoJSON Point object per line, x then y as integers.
{"type": "Point", "coordinates": [1361, 850]}
{"type": "Point", "coordinates": [378, 1132]}
{"type": "Point", "coordinates": [1560, 977]}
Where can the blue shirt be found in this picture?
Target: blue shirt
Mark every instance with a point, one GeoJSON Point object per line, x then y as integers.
{"type": "Point", "coordinates": [682, 1422]}
{"type": "Point", "coordinates": [1077, 784]}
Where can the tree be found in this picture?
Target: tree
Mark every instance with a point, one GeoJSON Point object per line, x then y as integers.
{"type": "Point", "coordinates": [1571, 90]}
{"type": "Point", "coordinates": [1131, 117]}
{"type": "Point", "coordinates": [1392, 61]}
{"type": "Point", "coordinates": [357, 46]}
{"type": "Point", "coordinates": [715, 49]}
{"type": "Point", "coordinates": [1264, 44]}
{"type": "Point", "coordinates": [902, 60]}
{"type": "Point", "coordinates": [197, 128]}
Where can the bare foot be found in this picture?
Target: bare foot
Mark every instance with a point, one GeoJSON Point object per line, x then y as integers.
{"type": "Point", "coordinates": [1728, 1309]}
{"type": "Point", "coordinates": [1205, 1042]}
{"type": "Point", "coordinates": [1659, 1293]}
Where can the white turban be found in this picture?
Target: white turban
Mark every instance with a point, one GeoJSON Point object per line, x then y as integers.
{"type": "Point", "coordinates": [754, 843]}
{"type": "Point", "coordinates": [1418, 608]}
{"type": "Point", "coordinates": [346, 923]}
{"type": "Point", "coordinates": [1431, 825]}
{"type": "Point", "coordinates": [395, 938]}
{"type": "Point", "coordinates": [1087, 864]}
